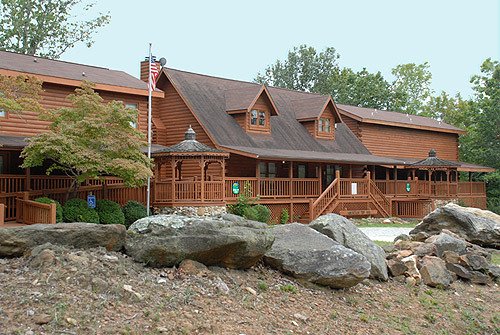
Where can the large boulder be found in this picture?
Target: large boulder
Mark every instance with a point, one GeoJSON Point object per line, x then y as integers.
{"type": "Point", "coordinates": [304, 253]}
{"type": "Point", "coordinates": [474, 225]}
{"type": "Point", "coordinates": [15, 241]}
{"type": "Point", "coordinates": [346, 233]}
{"type": "Point", "coordinates": [166, 240]}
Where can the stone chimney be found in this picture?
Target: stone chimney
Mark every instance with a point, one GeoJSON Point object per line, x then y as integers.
{"type": "Point", "coordinates": [145, 69]}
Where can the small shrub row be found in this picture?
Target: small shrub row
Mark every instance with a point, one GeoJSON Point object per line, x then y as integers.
{"type": "Point", "coordinates": [106, 211]}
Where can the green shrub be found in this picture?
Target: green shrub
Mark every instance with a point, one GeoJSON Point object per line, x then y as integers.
{"type": "Point", "coordinates": [263, 213]}
{"type": "Point", "coordinates": [109, 212]}
{"type": "Point", "coordinates": [257, 213]}
{"type": "Point", "coordinates": [284, 216]}
{"type": "Point", "coordinates": [76, 210]}
{"type": "Point", "coordinates": [59, 209]}
{"type": "Point", "coordinates": [133, 211]}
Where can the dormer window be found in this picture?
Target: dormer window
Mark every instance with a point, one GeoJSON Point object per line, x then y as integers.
{"type": "Point", "coordinates": [324, 125]}
{"type": "Point", "coordinates": [258, 118]}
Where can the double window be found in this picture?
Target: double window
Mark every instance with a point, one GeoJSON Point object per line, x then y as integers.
{"type": "Point", "coordinates": [267, 170]}
{"type": "Point", "coordinates": [258, 118]}
{"type": "Point", "coordinates": [324, 125]}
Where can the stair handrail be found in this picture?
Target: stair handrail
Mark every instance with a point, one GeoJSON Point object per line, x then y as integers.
{"type": "Point", "coordinates": [330, 193]}
{"type": "Point", "coordinates": [375, 191]}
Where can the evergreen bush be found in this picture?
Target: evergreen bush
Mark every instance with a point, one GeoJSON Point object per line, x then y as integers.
{"type": "Point", "coordinates": [133, 211]}
{"type": "Point", "coordinates": [76, 210]}
{"type": "Point", "coordinates": [109, 212]}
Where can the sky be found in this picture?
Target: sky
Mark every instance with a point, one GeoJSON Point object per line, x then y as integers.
{"type": "Point", "coordinates": [238, 39]}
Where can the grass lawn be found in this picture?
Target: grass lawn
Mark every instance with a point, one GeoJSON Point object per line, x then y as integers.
{"type": "Point", "coordinates": [495, 258]}
{"type": "Point", "coordinates": [383, 243]}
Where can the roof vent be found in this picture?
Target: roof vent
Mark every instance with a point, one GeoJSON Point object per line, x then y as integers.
{"type": "Point", "coordinates": [83, 74]}
{"type": "Point", "coordinates": [35, 60]}
{"type": "Point", "coordinates": [190, 134]}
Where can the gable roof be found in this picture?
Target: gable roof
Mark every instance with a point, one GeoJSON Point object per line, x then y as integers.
{"type": "Point", "coordinates": [206, 97]}
{"type": "Point", "coordinates": [67, 73]}
{"type": "Point", "coordinates": [372, 115]}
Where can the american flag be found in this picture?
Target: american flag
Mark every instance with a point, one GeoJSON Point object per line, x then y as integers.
{"type": "Point", "coordinates": [155, 72]}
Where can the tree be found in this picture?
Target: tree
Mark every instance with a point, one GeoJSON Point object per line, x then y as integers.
{"type": "Point", "coordinates": [304, 69]}
{"type": "Point", "coordinates": [361, 88]}
{"type": "Point", "coordinates": [21, 93]}
{"type": "Point", "coordinates": [45, 27]}
{"type": "Point", "coordinates": [90, 139]}
{"type": "Point", "coordinates": [410, 88]}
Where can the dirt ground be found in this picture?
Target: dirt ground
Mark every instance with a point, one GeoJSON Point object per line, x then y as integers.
{"type": "Point", "coordinates": [99, 292]}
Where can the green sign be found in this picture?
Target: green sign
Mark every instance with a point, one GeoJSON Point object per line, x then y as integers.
{"type": "Point", "coordinates": [408, 187]}
{"type": "Point", "coordinates": [236, 188]}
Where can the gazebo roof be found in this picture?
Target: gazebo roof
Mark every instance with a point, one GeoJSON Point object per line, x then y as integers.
{"type": "Point", "coordinates": [432, 162]}
{"type": "Point", "coordinates": [190, 146]}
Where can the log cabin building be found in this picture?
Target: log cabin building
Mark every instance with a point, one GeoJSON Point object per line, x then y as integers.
{"type": "Point", "coordinates": [217, 138]}
{"type": "Point", "coordinates": [302, 153]}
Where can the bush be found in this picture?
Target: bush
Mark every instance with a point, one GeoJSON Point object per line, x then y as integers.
{"type": "Point", "coordinates": [59, 208]}
{"type": "Point", "coordinates": [133, 211]}
{"type": "Point", "coordinates": [109, 212]}
{"type": "Point", "coordinates": [76, 210]}
{"type": "Point", "coordinates": [284, 216]}
{"type": "Point", "coordinates": [257, 213]}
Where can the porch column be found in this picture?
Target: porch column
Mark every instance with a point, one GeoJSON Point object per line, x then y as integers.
{"type": "Point", "coordinates": [448, 182]}
{"type": "Point", "coordinates": [257, 174]}
{"type": "Point", "coordinates": [373, 172]}
{"type": "Point", "coordinates": [223, 164]}
{"type": "Point", "coordinates": [368, 177]}
{"type": "Point", "coordinates": [290, 177]}
{"type": "Point", "coordinates": [350, 171]}
{"type": "Point", "coordinates": [395, 170]}
{"type": "Point", "coordinates": [202, 185]}
{"type": "Point", "coordinates": [173, 165]}
{"type": "Point", "coordinates": [320, 177]}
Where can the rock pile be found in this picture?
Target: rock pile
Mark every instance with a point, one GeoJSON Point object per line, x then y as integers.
{"type": "Point", "coordinates": [438, 260]}
{"type": "Point", "coordinates": [472, 224]}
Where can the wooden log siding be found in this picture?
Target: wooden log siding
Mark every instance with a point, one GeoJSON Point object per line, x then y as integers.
{"type": "Point", "coordinates": [55, 96]}
{"type": "Point", "coordinates": [403, 142]}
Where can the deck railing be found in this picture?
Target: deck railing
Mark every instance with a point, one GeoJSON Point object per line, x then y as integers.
{"type": "Point", "coordinates": [423, 188]}
{"type": "Point", "coordinates": [31, 212]}
{"type": "Point", "coordinates": [354, 188]}
{"type": "Point", "coordinates": [273, 188]}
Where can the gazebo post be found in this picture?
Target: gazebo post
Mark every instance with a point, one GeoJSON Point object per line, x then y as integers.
{"type": "Point", "coordinates": [202, 163]}
{"type": "Point", "coordinates": [173, 164]}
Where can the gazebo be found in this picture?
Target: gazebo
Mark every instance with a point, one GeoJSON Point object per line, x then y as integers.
{"type": "Point", "coordinates": [189, 173]}
{"type": "Point", "coordinates": [437, 169]}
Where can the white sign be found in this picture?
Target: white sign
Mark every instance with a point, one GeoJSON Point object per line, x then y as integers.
{"type": "Point", "coordinates": [354, 188]}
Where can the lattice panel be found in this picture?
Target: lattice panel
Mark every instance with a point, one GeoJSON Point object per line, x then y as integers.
{"type": "Point", "coordinates": [276, 211]}
{"type": "Point", "coordinates": [299, 212]}
{"type": "Point", "coordinates": [352, 206]}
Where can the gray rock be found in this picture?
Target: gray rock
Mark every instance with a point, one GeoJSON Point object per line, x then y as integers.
{"type": "Point", "coordinates": [402, 237]}
{"type": "Point", "coordinates": [479, 278]}
{"type": "Point", "coordinates": [166, 240]}
{"type": "Point", "coordinates": [346, 233]}
{"type": "Point", "coordinates": [459, 270]}
{"type": "Point", "coordinates": [434, 273]}
{"type": "Point", "coordinates": [494, 271]}
{"type": "Point", "coordinates": [474, 225]}
{"type": "Point", "coordinates": [425, 249]}
{"type": "Point", "coordinates": [476, 261]}
{"type": "Point", "coordinates": [304, 253]}
{"type": "Point", "coordinates": [14, 242]}
{"type": "Point", "coordinates": [444, 242]}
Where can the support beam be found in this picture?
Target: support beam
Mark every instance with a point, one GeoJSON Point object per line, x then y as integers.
{"type": "Point", "coordinates": [290, 179]}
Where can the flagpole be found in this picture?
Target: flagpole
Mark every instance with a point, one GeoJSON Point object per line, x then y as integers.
{"type": "Point", "coordinates": [148, 193]}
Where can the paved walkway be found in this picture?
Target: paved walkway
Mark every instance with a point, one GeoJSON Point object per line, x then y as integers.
{"type": "Point", "coordinates": [385, 234]}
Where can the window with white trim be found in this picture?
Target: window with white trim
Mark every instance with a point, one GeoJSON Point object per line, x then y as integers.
{"type": "Point", "coordinates": [133, 124]}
